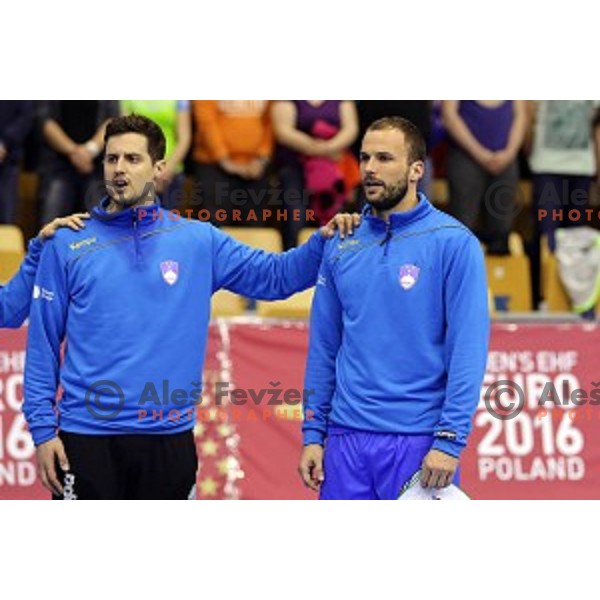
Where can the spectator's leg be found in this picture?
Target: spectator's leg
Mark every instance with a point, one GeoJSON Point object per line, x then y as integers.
{"type": "Point", "coordinates": [257, 195]}
{"type": "Point", "coordinates": [295, 203]}
{"type": "Point", "coordinates": [546, 199]}
{"type": "Point", "coordinates": [499, 209]}
{"type": "Point", "coordinates": [577, 202]}
{"type": "Point", "coordinates": [466, 186]}
{"type": "Point", "coordinates": [59, 199]}
{"type": "Point", "coordinates": [9, 193]}
{"type": "Point", "coordinates": [210, 193]}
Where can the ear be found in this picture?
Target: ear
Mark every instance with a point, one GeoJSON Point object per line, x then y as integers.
{"type": "Point", "coordinates": [159, 167]}
{"type": "Point", "coordinates": [416, 171]}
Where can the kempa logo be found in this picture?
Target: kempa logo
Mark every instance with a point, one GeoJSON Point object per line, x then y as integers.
{"type": "Point", "coordinates": [86, 242]}
{"type": "Point", "coordinates": [44, 294]}
{"type": "Point", "coordinates": [347, 244]}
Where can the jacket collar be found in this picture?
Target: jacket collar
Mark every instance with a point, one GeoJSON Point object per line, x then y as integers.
{"type": "Point", "coordinates": [143, 216]}
{"type": "Point", "coordinates": [399, 220]}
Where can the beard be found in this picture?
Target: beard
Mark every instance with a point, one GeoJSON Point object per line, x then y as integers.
{"type": "Point", "coordinates": [121, 202]}
{"type": "Point", "coordinates": [391, 197]}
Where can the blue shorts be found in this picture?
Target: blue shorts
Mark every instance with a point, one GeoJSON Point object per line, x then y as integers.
{"type": "Point", "coordinates": [361, 465]}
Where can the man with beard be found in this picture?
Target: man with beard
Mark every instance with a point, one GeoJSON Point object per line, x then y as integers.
{"type": "Point", "coordinates": [132, 296]}
{"type": "Point", "coordinates": [398, 338]}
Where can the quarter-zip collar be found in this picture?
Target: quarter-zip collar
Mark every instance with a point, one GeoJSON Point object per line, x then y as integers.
{"type": "Point", "coordinates": [142, 216]}
{"type": "Point", "coordinates": [399, 220]}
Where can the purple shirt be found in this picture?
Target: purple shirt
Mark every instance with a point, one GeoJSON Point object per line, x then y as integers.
{"type": "Point", "coordinates": [489, 125]}
{"type": "Point", "coordinates": [306, 116]}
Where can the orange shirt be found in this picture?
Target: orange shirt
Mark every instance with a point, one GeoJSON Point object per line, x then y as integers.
{"type": "Point", "coordinates": [239, 130]}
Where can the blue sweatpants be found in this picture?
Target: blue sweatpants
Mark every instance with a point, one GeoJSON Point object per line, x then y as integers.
{"type": "Point", "coordinates": [361, 465]}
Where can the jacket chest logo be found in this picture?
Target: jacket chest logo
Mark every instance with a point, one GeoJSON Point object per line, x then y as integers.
{"type": "Point", "coordinates": [408, 276]}
{"type": "Point", "coordinates": [170, 271]}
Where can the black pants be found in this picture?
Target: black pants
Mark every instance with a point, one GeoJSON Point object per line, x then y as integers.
{"type": "Point", "coordinates": [65, 191]}
{"type": "Point", "coordinates": [474, 193]}
{"type": "Point", "coordinates": [129, 467]}
{"type": "Point", "coordinates": [221, 194]}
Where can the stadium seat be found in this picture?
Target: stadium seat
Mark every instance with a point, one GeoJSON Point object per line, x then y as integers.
{"type": "Point", "coordinates": [258, 237]}
{"type": "Point", "coordinates": [509, 278]}
{"type": "Point", "coordinates": [553, 291]}
{"type": "Point", "coordinates": [296, 307]}
{"type": "Point", "coordinates": [12, 251]}
{"type": "Point", "coordinates": [515, 245]}
{"type": "Point", "coordinates": [305, 234]}
{"type": "Point", "coordinates": [227, 304]}
{"type": "Point", "coordinates": [439, 192]}
{"type": "Point", "coordinates": [28, 203]}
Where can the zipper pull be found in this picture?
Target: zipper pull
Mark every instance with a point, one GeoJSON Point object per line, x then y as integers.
{"type": "Point", "coordinates": [388, 234]}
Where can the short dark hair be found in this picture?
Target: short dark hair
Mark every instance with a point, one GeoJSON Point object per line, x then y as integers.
{"type": "Point", "coordinates": [133, 123]}
{"type": "Point", "coordinates": [417, 149]}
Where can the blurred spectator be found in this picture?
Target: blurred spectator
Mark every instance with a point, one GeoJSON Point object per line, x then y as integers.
{"type": "Point", "coordinates": [314, 138]}
{"type": "Point", "coordinates": [174, 118]}
{"type": "Point", "coordinates": [70, 161]}
{"type": "Point", "coordinates": [483, 171]}
{"type": "Point", "coordinates": [16, 117]}
{"type": "Point", "coordinates": [233, 144]}
{"type": "Point", "coordinates": [597, 144]}
{"type": "Point", "coordinates": [417, 112]}
{"type": "Point", "coordinates": [563, 163]}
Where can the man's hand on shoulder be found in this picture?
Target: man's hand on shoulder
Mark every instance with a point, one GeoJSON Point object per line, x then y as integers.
{"type": "Point", "coordinates": [345, 223]}
{"type": "Point", "coordinates": [74, 222]}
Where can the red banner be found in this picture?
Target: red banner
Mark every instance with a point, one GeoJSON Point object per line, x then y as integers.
{"type": "Point", "coordinates": [18, 478]}
{"type": "Point", "coordinates": [550, 448]}
{"type": "Point", "coordinates": [248, 430]}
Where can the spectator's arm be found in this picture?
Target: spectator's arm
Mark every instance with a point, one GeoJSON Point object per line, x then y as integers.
{"type": "Point", "coordinates": [459, 131]}
{"type": "Point", "coordinates": [95, 144]}
{"type": "Point", "coordinates": [56, 137]}
{"type": "Point", "coordinates": [349, 129]}
{"type": "Point", "coordinates": [283, 116]}
{"type": "Point", "coordinates": [265, 148]}
{"type": "Point", "coordinates": [531, 109]}
{"type": "Point", "coordinates": [596, 130]}
{"type": "Point", "coordinates": [518, 129]}
{"type": "Point", "coordinates": [15, 132]}
{"type": "Point", "coordinates": [206, 116]}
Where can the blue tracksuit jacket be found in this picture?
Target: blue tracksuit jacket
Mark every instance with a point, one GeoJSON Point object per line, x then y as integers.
{"type": "Point", "coordinates": [15, 296]}
{"type": "Point", "coordinates": [131, 297]}
{"type": "Point", "coordinates": [399, 330]}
